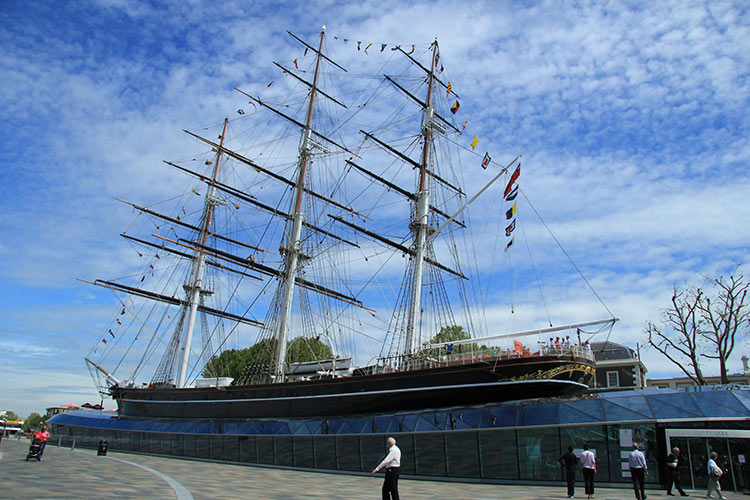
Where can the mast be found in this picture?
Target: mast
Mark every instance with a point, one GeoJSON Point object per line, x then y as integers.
{"type": "Point", "coordinates": [292, 250]}
{"type": "Point", "coordinates": [420, 224]}
{"type": "Point", "coordinates": [199, 264]}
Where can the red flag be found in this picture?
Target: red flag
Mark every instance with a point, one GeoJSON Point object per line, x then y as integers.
{"type": "Point", "coordinates": [295, 64]}
{"type": "Point", "coordinates": [104, 340]}
{"type": "Point", "coordinates": [510, 228]}
{"type": "Point", "coordinates": [513, 178]}
{"type": "Point", "coordinates": [118, 321]}
{"type": "Point", "coordinates": [486, 160]}
{"type": "Point", "coordinates": [454, 108]}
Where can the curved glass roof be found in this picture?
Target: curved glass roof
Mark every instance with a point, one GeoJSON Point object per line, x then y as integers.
{"type": "Point", "coordinates": [691, 403]}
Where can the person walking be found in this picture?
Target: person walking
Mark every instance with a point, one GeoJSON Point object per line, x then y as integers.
{"type": "Point", "coordinates": [392, 464]}
{"type": "Point", "coordinates": [673, 472]}
{"type": "Point", "coordinates": [43, 437]}
{"type": "Point", "coordinates": [569, 462]}
{"type": "Point", "coordinates": [638, 471]}
{"type": "Point", "coordinates": [714, 475]}
{"type": "Point", "coordinates": [588, 467]}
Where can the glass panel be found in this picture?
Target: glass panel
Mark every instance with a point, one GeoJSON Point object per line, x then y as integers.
{"type": "Point", "coordinates": [720, 446]}
{"type": "Point", "coordinates": [540, 414]}
{"type": "Point", "coordinates": [325, 452]}
{"type": "Point", "coordinates": [595, 437]}
{"type": "Point", "coordinates": [189, 445]}
{"type": "Point", "coordinates": [684, 469]}
{"type": "Point", "coordinates": [621, 439]}
{"type": "Point", "coordinates": [217, 447]}
{"type": "Point", "coordinates": [674, 406]}
{"type": "Point", "coordinates": [166, 444]}
{"type": "Point", "coordinates": [303, 452]}
{"type": "Point", "coordinates": [574, 413]}
{"type": "Point", "coordinates": [538, 451]}
{"type": "Point", "coordinates": [739, 453]}
{"type": "Point", "coordinates": [283, 450]}
{"type": "Point", "coordinates": [405, 443]}
{"type": "Point", "coordinates": [202, 446]}
{"type": "Point", "coordinates": [462, 452]}
{"type": "Point", "coordinates": [698, 459]}
{"type": "Point", "coordinates": [247, 449]}
{"type": "Point", "coordinates": [722, 403]}
{"type": "Point", "coordinates": [429, 454]}
{"type": "Point", "coordinates": [154, 443]}
{"type": "Point", "coordinates": [626, 409]}
{"type": "Point", "coordinates": [264, 445]}
{"type": "Point", "coordinates": [499, 458]}
{"type": "Point", "coordinates": [347, 453]}
{"type": "Point", "coordinates": [372, 450]}
{"type": "Point", "coordinates": [144, 445]}
{"type": "Point", "coordinates": [231, 448]}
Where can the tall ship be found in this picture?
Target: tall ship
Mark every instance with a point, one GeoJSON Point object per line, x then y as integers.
{"type": "Point", "coordinates": [334, 214]}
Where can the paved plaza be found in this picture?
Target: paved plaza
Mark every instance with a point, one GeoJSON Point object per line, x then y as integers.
{"type": "Point", "coordinates": [66, 473]}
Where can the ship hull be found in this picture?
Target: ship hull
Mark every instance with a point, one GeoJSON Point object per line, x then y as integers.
{"type": "Point", "coordinates": [478, 381]}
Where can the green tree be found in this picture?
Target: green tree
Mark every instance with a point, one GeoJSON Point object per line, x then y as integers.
{"type": "Point", "coordinates": [33, 422]}
{"type": "Point", "coordinates": [236, 363]}
{"type": "Point", "coordinates": [10, 415]}
{"type": "Point", "coordinates": [449, 334]}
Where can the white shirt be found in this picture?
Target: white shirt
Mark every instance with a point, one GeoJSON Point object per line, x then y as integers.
{"type": "Point", "coordinates": [588, 460]}
{"type": "Point", "coordinates": [636, 460]}
{"type": "Point", "coordinates": [392, 459]}
{"type": "Point", "coordinates": [711, 464]}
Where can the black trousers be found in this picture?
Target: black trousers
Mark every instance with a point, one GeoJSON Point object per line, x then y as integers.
{"type": "Point", "coordinates": [588, 480]}
{"type": "Point", "coordinates": [390, 485]}
{"type": "Point", "coordinates": [639, 482]}
{"type": "Point", "coordinates": [570, 478]}
{"type": "Point", "coordinates": [673, 477]}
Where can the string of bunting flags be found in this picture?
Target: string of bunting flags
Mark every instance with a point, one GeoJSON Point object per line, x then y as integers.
{"type": "Point", "coordinates": [408, 49]}
{"type": "Point", "coordinates": [509, 195]}
{"type": "Point", "coordinates": [110, 332]}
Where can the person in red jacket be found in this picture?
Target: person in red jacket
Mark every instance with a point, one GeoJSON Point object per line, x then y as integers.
{"type": "Point", "coordinates": [43, 437]}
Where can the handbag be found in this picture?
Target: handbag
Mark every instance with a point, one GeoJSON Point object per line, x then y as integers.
{"type": "Point", "coordinates": [716, 472]}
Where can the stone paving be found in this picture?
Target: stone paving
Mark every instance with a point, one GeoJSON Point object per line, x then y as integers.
{"type": "Point", "coordinates": [81, 474]}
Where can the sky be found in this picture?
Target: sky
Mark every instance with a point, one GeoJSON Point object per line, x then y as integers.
{"type": "Point", "coordinates": [632, 118]}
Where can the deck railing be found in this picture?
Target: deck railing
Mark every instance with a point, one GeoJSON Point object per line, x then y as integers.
{"type": "Point", "coordinates": [444, 356]}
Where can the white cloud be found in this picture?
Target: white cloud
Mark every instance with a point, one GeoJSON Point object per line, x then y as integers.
{"type": "Point", "coordinates": [631, 119]}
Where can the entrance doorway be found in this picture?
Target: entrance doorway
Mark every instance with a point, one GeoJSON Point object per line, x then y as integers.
{"type": "Point", "coordinates": [696, 445]}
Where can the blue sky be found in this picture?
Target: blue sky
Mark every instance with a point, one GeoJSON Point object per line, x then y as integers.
{"type": "Point", "coordinates": [632, 116]}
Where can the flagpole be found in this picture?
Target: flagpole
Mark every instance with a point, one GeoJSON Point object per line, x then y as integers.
{"type": "Point", "coordinates": [473, 198]}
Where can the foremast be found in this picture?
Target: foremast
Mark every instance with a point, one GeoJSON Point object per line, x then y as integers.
{"type": "Point", "coordinates": [420, 225]}
{"type": "Point", "coordinates": [194, 288]}
{"type": "Point", "coordinates": [293, 243]}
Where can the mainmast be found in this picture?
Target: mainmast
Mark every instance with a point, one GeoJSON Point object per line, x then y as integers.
{"type": "Point", "coordinates": [199, 264]}
{"type": "Point", "coordinates": [292, 249]}
{"type": "Point", "coordinates": [420, 226]}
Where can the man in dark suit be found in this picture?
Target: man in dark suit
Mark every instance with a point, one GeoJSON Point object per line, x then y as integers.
{"type": "Point", "coordinates": [673, 472]}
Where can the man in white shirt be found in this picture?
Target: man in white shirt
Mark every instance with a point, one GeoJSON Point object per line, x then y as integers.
{"type": "Point", "coordinates": [392, 464]}
{"type": "Point", "coordinates": [714, 475]}
{"type": "Point", "coordinates": [588, 466]}
{"type": "Point", "coordinates": [638, 471]}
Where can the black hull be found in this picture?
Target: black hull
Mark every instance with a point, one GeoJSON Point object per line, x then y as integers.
{"type": "Point", "coordinates": [474, 383]}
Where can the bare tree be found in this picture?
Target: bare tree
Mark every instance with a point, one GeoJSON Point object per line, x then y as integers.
{"type": "Point", "coordinates": [679, 342]}
{"type": "Point", "coordinates": [724, 318]}
{"type": "Point", "coordinates": [703, 325]}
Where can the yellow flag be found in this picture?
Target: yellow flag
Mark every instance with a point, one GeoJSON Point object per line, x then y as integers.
{"type": "Point", "coordinates": [448, 89]}
{"type": "Point", "coordinates": [474, 142]}
{"type": "Point", "coordinates": [195, 191]}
